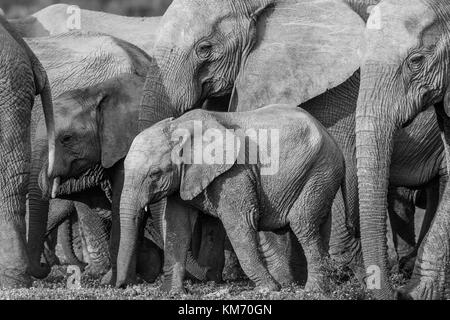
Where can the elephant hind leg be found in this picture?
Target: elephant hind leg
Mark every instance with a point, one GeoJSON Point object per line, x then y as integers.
{"type": "Point", "coordinates": [307, 217]}
{"type": "Point", "coordinates": [401, 211]}
{"type": "Point", "coordinates": [244, 239]}
{"type": "Point", "coordinates": [12, 244]}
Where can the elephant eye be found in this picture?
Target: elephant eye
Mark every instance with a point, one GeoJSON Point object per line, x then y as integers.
{"type": "Point", "coordinates": [66, 139]}
{"type": "Point", "coordinates": [204, 50]}
{"type": "Point", "coordinates": [155, 173]}
{"type": "Point", "coordinates": [416, 60]}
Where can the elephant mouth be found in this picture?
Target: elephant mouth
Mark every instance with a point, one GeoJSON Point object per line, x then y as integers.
{"type": "Point", "coordinates": [78, 168]}
{"type": "Point", "coordinates": [61, 187]}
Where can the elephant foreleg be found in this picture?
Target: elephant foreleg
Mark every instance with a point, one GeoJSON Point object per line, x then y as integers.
{"type": "Point", "coordinates": [283, 256]}
{"type": "Point", "coordinates": [211, 252]}
{"type": "Point", "coordinates": [432, 194]}
{"type": "Point", "coordinates": [180, 221]}
{"type": "Point", "coordinates": [431, 275]}
{"type": "Point", "coordinates": [401, 211]}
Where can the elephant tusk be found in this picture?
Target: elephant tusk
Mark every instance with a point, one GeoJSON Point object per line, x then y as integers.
{"type": "Point", "coordinates": [55, 187]}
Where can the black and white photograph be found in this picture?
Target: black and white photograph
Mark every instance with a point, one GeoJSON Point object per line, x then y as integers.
{"type": "Point", "coordinates": [222, 155]}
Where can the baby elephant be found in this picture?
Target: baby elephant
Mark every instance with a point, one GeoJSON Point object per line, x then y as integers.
{"type": "Point", "coordinates": [263, 170]}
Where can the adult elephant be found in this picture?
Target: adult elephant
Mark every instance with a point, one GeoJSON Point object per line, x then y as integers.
{"type": "Point", "coordinates": [22, 77]}
{"type": "Point", "coordinates": [73, 61]}
{"type": "Point", "coordinates": [62, 18]}
{"type": "Point", "coordinates": [404, 72]}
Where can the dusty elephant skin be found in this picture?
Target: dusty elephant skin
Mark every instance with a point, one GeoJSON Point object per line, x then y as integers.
{"type": "Point", "coordinates": [241, 196]}
{"type": "Point", "coordinates": [22, 78]}
{"type": "Point", "coordinates": [404, 71]}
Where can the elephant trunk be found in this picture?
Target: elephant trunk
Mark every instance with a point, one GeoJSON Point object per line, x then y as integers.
{"type": "Point", "coordinates": [71, 243]}
{"type": "Point", "coordinates": [374, 142]}
{"type": "Point", "coordinates": [130, 224]}
{"type": "Point", "coordinates": [38, 214]}
{"type": "Point", "coordinates": [155, 104]}
{"type": "Point", "coordinates": [58, 214]}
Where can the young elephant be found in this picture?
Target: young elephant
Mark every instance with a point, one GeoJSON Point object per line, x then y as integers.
{"type": "Point", "coordinates": [229, 179]}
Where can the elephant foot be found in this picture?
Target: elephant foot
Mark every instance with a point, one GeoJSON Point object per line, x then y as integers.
{"type": "Point", "coordinates": [149, 277]}
{"type": "Point", "coordinates": [351, 259]}
{"type": "Point", "coordinates": [96, 270]}
{"type": "Point", "coordinates": [177, 291]}
{"type": "Point", "coordinates": [315, 283]}
{"type": "Point", "coordinates": [39, 272]}
{"type": "Point", "coordinates": [268, 286]}
{"type": "Point", "coordinates": [123, 283]}
{"type": "Point", "coordinates": [314, 286]}
{"type": "Point", "coordinates": [11, 279]}
{"type": "Point", "coordinates": [13, 256]}
{"type": "Point", "coordinates": [168, 288]}
{"type": "Point", "coordinates": [418, 289]}
{"type": "Point", "coordinates": [107, 279]}
{"type": "Point", "coordinates": [214, 275]}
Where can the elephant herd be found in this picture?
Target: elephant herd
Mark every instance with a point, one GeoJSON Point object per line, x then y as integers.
{"type": "Point", "coordinates": [353, 94]}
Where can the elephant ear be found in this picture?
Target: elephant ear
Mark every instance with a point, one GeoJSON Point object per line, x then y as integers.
{"type": "Point", "coordinates": [118, 111]}
{"type": "Point", "coordinates": [446, 102]}
{"type": "Point", "coordinates": [209, 150]}
{"type": "Point", "coordinates": [303, 48]}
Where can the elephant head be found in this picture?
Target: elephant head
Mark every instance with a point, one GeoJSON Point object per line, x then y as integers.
{"type": "Point", "coordinates": [405, 69]}
{"type": "Point", "coordinates": [160, 163]}
{"type": "Point", "coordinates": [95, 125]}
{"type": "Point", "coordinates": [285, 50]}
